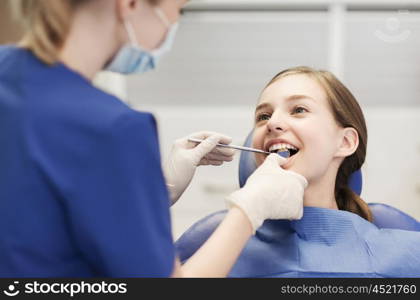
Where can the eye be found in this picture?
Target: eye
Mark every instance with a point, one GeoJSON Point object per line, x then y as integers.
{"type": "Point", "coordinates": [262, 117]}
{"type": "Point", "coordinates": [299, 110]}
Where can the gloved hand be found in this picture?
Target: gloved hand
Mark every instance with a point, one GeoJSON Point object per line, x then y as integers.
{"type": "Point", "coordinates": [185, 156]}
{"type": "Point", "coordinates": [270, 193]}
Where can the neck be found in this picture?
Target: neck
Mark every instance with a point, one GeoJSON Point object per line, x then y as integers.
{"type": "Point", "coordinates": [89, 44]}
{"type": "Point", "coordinates": [320, 192]}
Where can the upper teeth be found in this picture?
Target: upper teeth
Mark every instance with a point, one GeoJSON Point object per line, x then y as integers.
{"type": "Point", "coordinates": [281, 146]}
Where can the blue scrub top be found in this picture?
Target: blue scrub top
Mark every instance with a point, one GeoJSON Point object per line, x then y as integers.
{"type": "Point", "coordinates": [81, 187]}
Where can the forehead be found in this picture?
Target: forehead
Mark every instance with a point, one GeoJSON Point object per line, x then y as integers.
{"type": "Point", "coordinates": [298, 84]}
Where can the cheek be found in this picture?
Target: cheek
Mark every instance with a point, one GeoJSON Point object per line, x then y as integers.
{"type": "Point", "coordinates": [319, 134]}
{"type": "Point", "coordinates": [320, 144]}
{"type": "Point", "coordinates": [148, 29]}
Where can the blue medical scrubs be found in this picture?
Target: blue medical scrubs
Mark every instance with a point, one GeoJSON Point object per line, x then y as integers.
{"type": "Point", "coordinates": [324, 243]}
{"type": "Point", "coordinates": [81, 188]}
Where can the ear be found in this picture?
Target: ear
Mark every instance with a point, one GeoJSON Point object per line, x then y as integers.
{"type": "Point", "coordinates": [126, 8]}
{"type": "Point", "coordinates": [349, 142]}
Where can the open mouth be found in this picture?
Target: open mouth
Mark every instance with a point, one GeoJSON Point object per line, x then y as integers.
{"type": "Point", "coordinates": [283, 147]}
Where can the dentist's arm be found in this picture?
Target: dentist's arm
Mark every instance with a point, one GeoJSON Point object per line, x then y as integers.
{"type": "Point", "coordinates": [217, 256]}
{"type": "Point", "coordinates": [269, 193]}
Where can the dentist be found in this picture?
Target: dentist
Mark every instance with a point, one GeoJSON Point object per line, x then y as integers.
{"type": "Point", "coordinates": [82, 191]}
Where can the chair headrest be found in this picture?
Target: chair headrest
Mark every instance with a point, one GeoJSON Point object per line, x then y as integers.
{"type": "Point", "coordinates": [247, 166]}
{"type": "Point", "coordinates": [386, 216]}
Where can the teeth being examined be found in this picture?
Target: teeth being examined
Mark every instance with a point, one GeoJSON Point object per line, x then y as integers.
{"type": "Point", "coordinates": [281, 146]}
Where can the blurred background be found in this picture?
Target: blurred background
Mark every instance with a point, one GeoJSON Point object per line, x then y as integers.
{"type": "Point", "coordinates": [227, 50]}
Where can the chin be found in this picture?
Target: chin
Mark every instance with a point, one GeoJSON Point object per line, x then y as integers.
{"type": "Point", "coordinates": [259, 159]}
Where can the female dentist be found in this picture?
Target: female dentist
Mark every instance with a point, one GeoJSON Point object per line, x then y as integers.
{"type": "Point", "coordinates": [82, 192]}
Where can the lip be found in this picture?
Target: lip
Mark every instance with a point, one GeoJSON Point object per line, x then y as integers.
{"type": "Point", "coordinates": [277, 141]}
{"type": "Point", "coordinates": [289, 162]}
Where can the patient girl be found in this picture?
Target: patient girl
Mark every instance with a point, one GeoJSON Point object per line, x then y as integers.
{"type": "Point", "coordinates": [317, 118]}
{"type": "Point", "coordinates": [314, 115]}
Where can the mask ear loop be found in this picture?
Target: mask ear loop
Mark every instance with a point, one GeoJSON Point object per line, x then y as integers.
{"type": "Point", "coordinates": [162, 16]}
{"type": "Point", "coordinates": [130, 30]}
{"type": "Point", "coordinates": [131, 34]}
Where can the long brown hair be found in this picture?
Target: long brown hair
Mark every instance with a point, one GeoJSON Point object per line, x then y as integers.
{"type": "Point", "coordinates": [47, 24]}
{"type": "Point", "coordinates": [347, 113]}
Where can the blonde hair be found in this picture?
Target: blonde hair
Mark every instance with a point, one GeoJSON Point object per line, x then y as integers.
{"type": "Point", "coordinates": [347, 113]}
{"type": "Point", "coordinates": [47, 24]}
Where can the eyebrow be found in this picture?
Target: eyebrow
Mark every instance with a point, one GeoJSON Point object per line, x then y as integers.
{"type": "Point", "coordinates": [299, 97]}
{"type": "Point", "coordinates": [262, 106]}
{"type": "Point", "coordinates": [290, 98]}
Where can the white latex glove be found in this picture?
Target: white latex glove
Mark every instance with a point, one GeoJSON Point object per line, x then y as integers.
{"type": "Point", "coordinates": [270, 193]}
{"type": "Point", "coordinates": [185, 156]}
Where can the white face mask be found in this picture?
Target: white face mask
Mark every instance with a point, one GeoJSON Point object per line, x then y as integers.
{"type": "Point", "coordinates": [133, 59]}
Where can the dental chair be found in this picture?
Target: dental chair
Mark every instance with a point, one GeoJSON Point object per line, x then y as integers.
{"type": "Point", "coordinates": [384, 216]}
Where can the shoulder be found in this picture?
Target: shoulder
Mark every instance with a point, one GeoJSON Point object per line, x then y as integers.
{"type": "Point", "coordinates": [131, 127]}
{"type": "Point", "coordinates": [393, 247]}
{"type": "Point", "coordinates": [4, 52]}
{"type": "Point", "coordinates": [395, 252]}
{"type": "Point", "coordinates": [7, 50]}
{"type": "Point", "coordinates": [55, 96]}
{"type": "Point", "coordinates": [393, 239]}
{"type": "Point", "coordinates": [197, 234]}
{"type": "Point", "coordinates": [103, 112]}
{"type": "Point", "coordinates": [55, 92]}
{"type": "Point", "coordinates": [11, 60]}
{"type": "Point", "coordinates": [124, 132]}
{"type": "Point", "coordinates": [85, 123]}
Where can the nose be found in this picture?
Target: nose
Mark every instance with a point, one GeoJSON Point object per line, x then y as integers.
{"type": "Point", "coordinates": [276, 124]}
{"type": "Point", "coordinates": [274, 128]}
